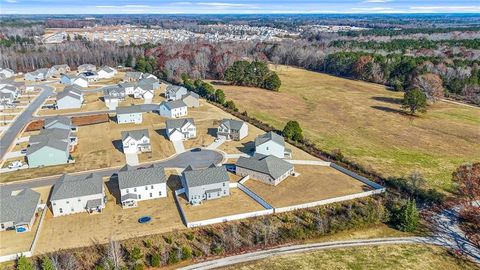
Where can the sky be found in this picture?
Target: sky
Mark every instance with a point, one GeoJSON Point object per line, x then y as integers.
{"type": "Point", "coordinates": [236, 6]}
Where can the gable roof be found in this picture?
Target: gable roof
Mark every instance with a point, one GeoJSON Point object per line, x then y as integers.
{"type": "Point", "coordinates": [113, 90]}
{"type": "Point", "coordinates": [107, 69]}
{"type": "Point", "coordinates": [19, 208]}
{"type": "Point", "coordinates": [65, 120]}
{"type": "Point", "coordinates": [141, 177]}
{"type": "Point", "coordinates": [135, 134]}
{"type": "Point", "coordinates": [271, 165]}
{"type": "Point", "coordinates": [208, 176]}
{"type": "Point", "coordinates": [178, 123]}
{"type": "Point", "coordinates": [72, 186]}
{"type": "Point", "coordinates": [269, 136]}
{"type": "Point", "coordinates": [191, 94]}
{"type": "Point", "coordinates": [175, 88]}
{"type": "Point", "coordinates": [232, 124]}
{"type": "Point", "coordinates": [130, 109]}
{"type": "Point", "coordinates": [173, 104]}
{"type": "Point", "coordinates": [133, 75]}
{"type": "Point", "coordinates": [48, 142]}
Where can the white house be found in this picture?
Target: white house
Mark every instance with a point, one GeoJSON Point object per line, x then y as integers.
{"type": "Point", "coordinates": [86, 68]}
{"type": "Point", "coordinates": [132, 76]}
{"type": "Point", "coordinates": [191, 99]}
{"type": "Point", "coordinates": [271, 143]}
{"type": "Point", "coordinates": [76, 194]}
{"type": "Point", "coordinates": [37, 75]}
{"type": "Point", "coordinates": [90, 76]}
{"type": "Point", "coordinates": [70, 98]}
{"type": "Point", "coordinates": [173, 109]}
{"type": "Point", "coordinates": [106, 72]}
{"type": "Point", "coordinates": [136, 141]}
{"type": "Point", "coordinates": [180, 129]}
{"type": "Point", "coordinates": [112, 95]}
{"type": "Point", "coordinates": [58, 70]}
{"type": "Point", "coordinates": [141, 184]}
{"type": "Point", "coordinates": [175, 92]}
{"type": "Point", "coordinates": [128, 87]}
{"type": "Point", "coordinates": [74, 80]}
{"type": "Point", "coordinates": [143, 91]}
{"type": "Point", "coordinates": [129, 114]}
{"type": "Point", "coordinates": [8, 73]}
{"type": "Point", "coordinates": [231, 129]}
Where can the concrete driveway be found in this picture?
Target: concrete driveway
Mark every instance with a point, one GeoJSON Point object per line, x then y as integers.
{"type": "Point", "coordinates": [179, 147]}
{"type": "Point", "coordinates": [15, 154]}
{"type": "Point", "coordinates": [132, 159]}
{"type": "Point", "coordinates": [216, 144]}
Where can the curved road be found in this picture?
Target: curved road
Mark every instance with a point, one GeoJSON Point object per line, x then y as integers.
{"type": "Point", "coordinates": [23, 119]}
{"type": "Point", "coordinates": [197, 159]}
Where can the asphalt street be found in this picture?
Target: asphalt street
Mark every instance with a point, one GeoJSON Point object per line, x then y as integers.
{"type": "Point", "coordinates": [23, 119]}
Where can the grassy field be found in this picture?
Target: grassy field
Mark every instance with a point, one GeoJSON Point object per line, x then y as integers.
{"type": "Point", "coordinates": [364, 121]}
{"type": "Point", "coordinates": [375, 257]}
{"type": "Point", "coordinates": [314, 183]}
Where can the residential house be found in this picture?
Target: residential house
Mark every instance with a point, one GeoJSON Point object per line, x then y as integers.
{"type": "Point", "coordinates": [112, 95]}
{"type": "Point", "coordinates": [37, 75]}
{"type": "Point", "coordinates": [141, 184]}
{"type": "Point", "coordinates": [74, 80]}
{"type": "Point", "coordinates": [49, 148]}
{"type": "Point", "coordinates": [180, 129]}
{"type": "Point", "coordinates": [6, 100]}
{"type": "Point", "coordinates": [85, 68]}
{"type": "Point", "coordinates": [267, 169]}
{"type": "Point", "coordinates": [271, 143]}
{"type": "Point", "coordinates": [90, 76]}
{"type": "Point", "coordinates": [128, 87]}
{"type": "Point", "coordinates": [149, 76]}
{"type": "Point", "coordinates": [57, 71]}
{"type": "Point", "coordinates": [10, 89]}
{"type": "Point", "coordinates": [129, 114]}
{"type": "Point", "coordinates": [106, 72]}
{"type": "Point", "coordinates": [7, 73]}
{"type": "Point", "coordinates": [192, 99]}
{"type": "Point", "coordinates": [231, 129]}
{"type": "Point", "coordinates": [175, 92]}
{"type": "Point", "coordinates": [132, 76]}
{"type": "Point", "coordinates": [205, 184]}
{"type": "Point", "coordinates": [151, 82]}
{"type": "Point", "coordinates": [18, 210]}
{"type": "Point", "coordinates": [70, 98]}
{"type": "Point", "coordinates": [173, 109]}
{"type": "Point", "coordinates": [136, 141]}
{"type": "Point", "coordinates": [60, 122]}
{"type": "Point", "coordinates": [144, 91]}
{"type": "Point", "coordinates": [77, 194]}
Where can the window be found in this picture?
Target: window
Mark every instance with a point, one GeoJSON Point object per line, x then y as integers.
{"type": "Point", "coordinates": [160, 193]}
{"type": "Point", "coordinates": [151, 195]}
{"type": "Point", "coordinates": [3, 226]}
{"type": "Point", "coordinates": [127, 190]}
{"type": "Point", "coordinates": [79, 199]}
{"type": "Point", "coordinates": [54, 204]}
{"type": "Point", "coordinates": [139, 196]}
{"type": "Point", "coordinates": [223, 184]}
{"type": "Point", "coordinates": [267, 148]}
{"type": "Point", "coordinates": [146, 187]}
{"type": "Point", "coordinates": [224, 192]}
{"type": "Point", "coordinates": [68, 202]}
{"type": "Point", "coordinates": [71, 210]}
{"type": "Point", "coordinates": [60, 210]}
{"type": "Point", "coordinates": [135, 190]}
{"type": "Point", "coordinates": [151, 186]}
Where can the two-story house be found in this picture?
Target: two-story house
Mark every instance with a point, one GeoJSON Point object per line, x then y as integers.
{"type": "Point", "coordinates": [136, 141]}
{"type": "Point", "coordinates": [141, 184]}
{"type": "Point", "coordinates": [180, 129]}
{"type": "Point", "coordinates": [271, 143]}
{"type": "Point", "coordinates": [205, 184]}
{"type": "Point", "coordinates": [230, 129]}
{"type": "Point", "coordinates": [173, 109]}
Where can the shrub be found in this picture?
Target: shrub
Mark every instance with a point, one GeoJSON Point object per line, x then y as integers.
{"type": "Point", "coordinates": [186, 253]}
{"type": "Point", "coordinates": [135, 255]}
{"type": "Point", "coordinates": [47, 263]}
{"type": "Point", "coordinates": [168, 239]}
{"type": "Point", "coordinates": [155, 260]}
{"type": "Point", "coordinates": [147, 243]}
{"type": "Point", "coordinates": [190, 236]}
{"type": "Point", "coordinates": [172, 256]}
{"type": "Point", "coordinates": [23, 263]}
{"type": "Point", "coordinates": [293, 131]}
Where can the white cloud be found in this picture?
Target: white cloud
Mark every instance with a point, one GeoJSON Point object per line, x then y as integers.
{"type": "Point", "coordinates": [427, 9]}
{"type": "Point", "coordinates": [11, 1]}
{"type": "Point", "coordinates": [373, 9]}
{"type": "Point", "coordinates": [182, 3]}
{"type": "Point", "coordinates": [226, 5]}
{"type": "Point", "coordinates": [376, 1]}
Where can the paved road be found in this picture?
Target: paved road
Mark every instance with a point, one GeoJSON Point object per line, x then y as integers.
{"type": "Point", "coordinates": [197, 159]}
{"type": "Point", "coordinates": [263, 254]}
{"type": "Point", "coordinates": [23, 119]}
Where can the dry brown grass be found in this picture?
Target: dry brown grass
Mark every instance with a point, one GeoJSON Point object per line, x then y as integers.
{"type": "Point", "coordinates": [237, 203]}
{"type": "Point", "coordinates": [93, 102]}
{"type": "Point", "coordinates": [113, 223]}
{"type": "Point", "coordinates": [364, 121]}
{"type": "Point", "coordinates": [12, 242]}
{"type": "Point", "coordinates": [315, 183]}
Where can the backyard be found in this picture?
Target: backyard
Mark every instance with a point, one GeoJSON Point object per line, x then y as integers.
{"type": "Point", "coordinates": [364, 121]}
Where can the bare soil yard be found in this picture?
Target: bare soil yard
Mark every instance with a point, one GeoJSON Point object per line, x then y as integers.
{"type": "Point", "coordinates": [237, 203]}
{"type": "Point", "coordinates": [364, 121]}
{"type": "Point", "coordinates": [315, 183]}
{"type": "Point", "coordinates": [12, 242]}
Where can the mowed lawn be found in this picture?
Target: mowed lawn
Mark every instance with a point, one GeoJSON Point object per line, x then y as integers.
{"type": "Point", "coordinates": [375, 257]}
{"type": "Point", "coordinates": [364, 121]}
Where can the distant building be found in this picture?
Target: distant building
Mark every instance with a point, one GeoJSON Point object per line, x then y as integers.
{"type": "Point", "coordinates": [113, 95]}
{"type": "Point", "coordinates": [205, 184]}
{"type": "Point", "coordinates": [77, 194]}
{"type": "Point", "coordinates": [58, 70]}
{"type": "Point", "coordinates": [86, 68]}
{"type": "Point", "coordinates": [70, 98]}
{"type": "Point", "coordinates": [37, 75]}
{"type": "Point", "coordinates": [129, 114]}
{"type": "Point", "coordinates": [141, 184]}
{"type": "Point", "coordinates": [271, 143]}
{"type": "Point", "coordinates": [175, 92]}
{"type": "Point", "coordinates": [106, 72]}
{"type": "Point", "coordinates": [231, 129]}
{"type": "Point", "coordinates": [173, 109]}
{"type": "Point", "coordinates": [136, 141]}
{"type": "Point", "coordinates": [74, 80]}
{"type": "Point", "coordinates": [267, 169]}
{"type": "Point", "coordinates": [128, 87]}
{"type": "Point", "coordinates": [191, 99]}
{"type": "Point", "coordinates": [180, 129]}
{"type": "Point", "coordinates": [7, 73]}
{"type": "Point", "coordinates": [132, 76]}
{"type": "Point", "coordinates": [50, 147]}
{"type": "Point", "coordinates": [18, 210]}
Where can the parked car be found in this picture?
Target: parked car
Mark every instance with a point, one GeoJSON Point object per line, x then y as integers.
{"type": "Point", "coordinates": [23, 151]}
{"type": "Point", "coordinates": [15, 165]}
{"type": "Point", "coordinates": [196, 150]}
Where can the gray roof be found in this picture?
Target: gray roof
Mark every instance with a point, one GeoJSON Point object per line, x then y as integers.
{"type": "Point", "coordinates": [108, 69]}
{"type": "Point", "coordinates": [130, 109]}
{"type": "Point", "coordinates": [148, 81]}
{"type": "Point", "coordinates": [271, 165]}
{"type": "Point", "coordinates": [92, 204]}
{"type": "Point", "coordinates": [48, 142]}
{"type": "Point", "coordinates": [57, 67]}
{"type": "Point", "coordinates": [72, 91]}
{"type": "Point", "coordinates": [269, 136]}
{"type": "Point", "coordinates": [129, 196]}
{"type": "Point", "coordinates": [178, 123]}
{"type": "Point", "coordinates": [72, 186]}
{"type": "Point", "coordinates": [52, 133]}
{"type": "Point", "coordinates": [174, 88]}
{"type": "Point", "coordinates": [210, 175]}
{"type": "Point", "coordinates": [4, 95]}
{"type": "Point", "coordinates": [58, 119]}
{"type": "Point", "coordinates": [136, 134]}
{"type": "Point", "coordinates": [174, 104]}
{"type": "Point", "coordinates": [114, 90]}
{"type": "Point", "coordinates": [232, 124]}
{"type": "Point", "coordinates": [141, 177]}
{"type": "Point", "coordinates": [87, 66]}
{"type": "Point", "coordinates": [192, 94]}
{"type": "Point", "coordinates": [19, 208]}
{"type": "Point", "coordinates": [134, 75]}
{"type": "Point", "coordinates": [145, 86]}
{"type": "Point", "coordinates": [56, 138]}
{"type": "Point", "coordinates": [126, 84]}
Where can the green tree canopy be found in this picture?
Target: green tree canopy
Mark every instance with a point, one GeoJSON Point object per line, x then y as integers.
{"type": "Point", "coordinates": [255, 73]}
{"type": "Point", "coordinates": [415, 101]}
{"type": "Point", "coordinates": [293, 131]}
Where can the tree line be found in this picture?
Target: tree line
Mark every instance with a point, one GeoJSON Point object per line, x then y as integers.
{"type": "Point", "coordinates": [253, 73]}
